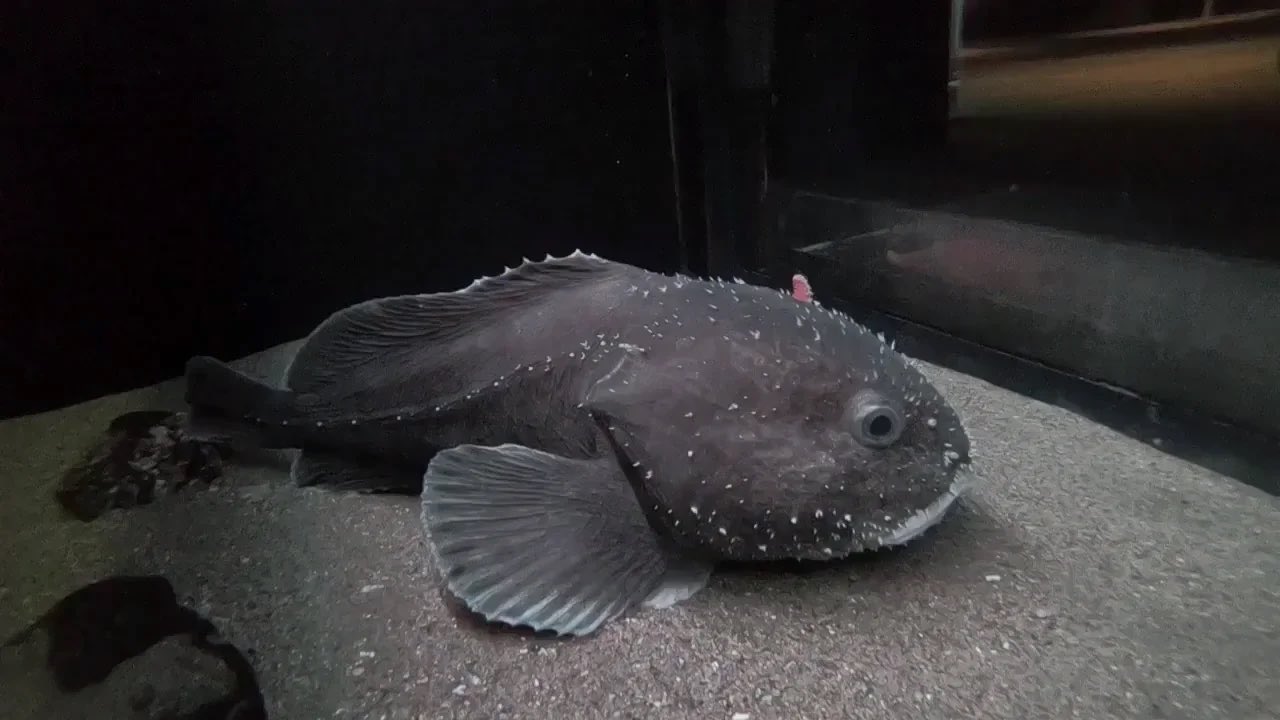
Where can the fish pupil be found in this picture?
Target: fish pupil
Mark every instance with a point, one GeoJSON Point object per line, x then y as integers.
{"type": "Point", "coordinates": [880, 426]}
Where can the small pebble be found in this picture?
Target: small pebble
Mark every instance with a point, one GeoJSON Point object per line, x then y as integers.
{"type": "Point", "coordinates": [1043, 613]}
{"type": "Point", "coordinates": [742, 716]}
{"type": "Point", "coordinates": [460, 689]}
{"type": "Point", "coordinates": [993, 578]}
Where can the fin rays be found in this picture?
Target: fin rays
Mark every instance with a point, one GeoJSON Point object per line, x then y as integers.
{"type": "Point", "coordinates": [568, 549]}
{"type": "Point", "coordinates": [354, 336]}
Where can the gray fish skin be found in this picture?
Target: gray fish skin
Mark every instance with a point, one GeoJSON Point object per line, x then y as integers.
{"type": "Point", "coordinates": [577, 413]}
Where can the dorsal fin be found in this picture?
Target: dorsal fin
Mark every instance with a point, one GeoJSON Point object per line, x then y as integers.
{"type": "Point", "coordinates": [351, 337]}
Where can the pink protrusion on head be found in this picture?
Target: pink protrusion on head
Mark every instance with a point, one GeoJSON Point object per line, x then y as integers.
{"type": "Point", "coordinates": [800, 289]}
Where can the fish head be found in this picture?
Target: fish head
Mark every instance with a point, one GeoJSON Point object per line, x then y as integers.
{"type": "Point", "coordinates": [864, 430]}
{"type": "Point", "coordinates": [805, 436]}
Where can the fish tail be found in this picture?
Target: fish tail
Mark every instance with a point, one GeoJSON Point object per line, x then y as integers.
{"type": "Point", "coordinates": [225, 403]}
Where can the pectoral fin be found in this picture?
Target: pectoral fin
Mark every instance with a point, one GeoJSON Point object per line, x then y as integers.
{"type": "Point", "coordinates": [530, 538]}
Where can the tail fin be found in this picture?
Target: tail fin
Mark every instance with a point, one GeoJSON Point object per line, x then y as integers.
{"type": "Point", "coordinates": [226, 403]}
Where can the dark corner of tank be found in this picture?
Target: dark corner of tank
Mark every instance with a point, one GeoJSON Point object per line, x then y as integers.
{"type": "Point", "coordinates": [1064, 214]}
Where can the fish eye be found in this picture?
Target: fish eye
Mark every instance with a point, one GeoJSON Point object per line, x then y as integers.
{"type": "Point", "coordinates": [876, 422]}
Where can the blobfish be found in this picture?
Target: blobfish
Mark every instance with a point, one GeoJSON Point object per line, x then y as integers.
{"type": "Point", "coordinates": [588, 436]}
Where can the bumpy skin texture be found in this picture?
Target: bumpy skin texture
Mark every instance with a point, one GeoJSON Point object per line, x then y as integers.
{"type": "Point", "coordinates": [627, 426]}
{"type": "Point", "coordinates": [729, 403]}
{"type": "Point", "coordinates": [753, 458]}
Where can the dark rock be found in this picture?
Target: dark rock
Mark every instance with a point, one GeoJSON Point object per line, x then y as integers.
{"type": "Point", "coordinates": [124, 648]}
{"type": "Point", "coordinates": [145, 455]}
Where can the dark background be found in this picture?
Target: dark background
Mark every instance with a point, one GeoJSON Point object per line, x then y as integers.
{"type": "Point", "coordinates": [218, 177]}
{"type": "Point", "coordinates": [215, 178]}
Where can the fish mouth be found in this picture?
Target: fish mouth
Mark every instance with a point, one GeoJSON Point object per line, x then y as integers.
{"type": "Point", "coordinates": [918, 522]}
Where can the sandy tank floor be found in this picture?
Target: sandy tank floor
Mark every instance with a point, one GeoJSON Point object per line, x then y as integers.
{"type": "Point", "coordinates": [1088, 576]}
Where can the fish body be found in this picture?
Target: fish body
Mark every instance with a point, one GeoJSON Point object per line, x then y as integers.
{"type": "Point", "coordinates": [589, 436]}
